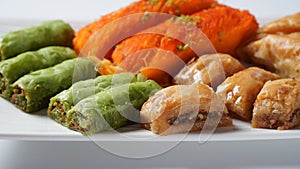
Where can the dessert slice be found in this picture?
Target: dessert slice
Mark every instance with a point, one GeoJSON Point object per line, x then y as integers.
{"type": "Point", "coordinates": [160, 52]}
{"type": "Point", "coordinates": [287, 24]}
{"type": "Point", "coordinates": [210, 69]}
{"type": "Point", "coordinates": [173, 7]}
{"type": "Point", "coordinates": [278, 105]}
{"type": "Point", "coordinates": [240, 90]}
{"type": "Point", "coordinates": [277, 53]}
{"type": "Point", "coordinates": [184, 108]}
{"type": "Point", "coordinates": [276, 47]}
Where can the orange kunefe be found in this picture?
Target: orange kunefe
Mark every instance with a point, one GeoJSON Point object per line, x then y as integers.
{"type": "Point", "coordinates": [178, 41]}
{"type": "Point", "coordinates": [173, 7]}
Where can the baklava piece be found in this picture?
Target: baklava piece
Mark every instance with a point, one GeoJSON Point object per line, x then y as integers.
{"type": "Point", "coordinates": [276, 47]}
{"type": "Point", "coordinates": [240, 90]}
{"type": "Point", "coordinates": [278, 105]}
{"type": "Point", "coordinates": [210, 69]}
{"type": "Point", "coordinates": [285, 25]}
{"type": "Point", "coordinates": [184, 108]}
{"type": "Point", "coordinates": [277, 53]}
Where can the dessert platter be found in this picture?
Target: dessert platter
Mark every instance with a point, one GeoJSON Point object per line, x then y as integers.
{"type": "Point", "coordinates": [64, 109]}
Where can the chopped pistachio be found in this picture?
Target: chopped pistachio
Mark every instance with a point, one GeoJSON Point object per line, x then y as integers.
{"type": "Point", "coordinates": [187, 19]}
{"type": "Point", "coordinates": [192, 43]}
{"type": "Point", "coordinates": [153, 2]}
{"type": "Point", "coordinates": [213, 5]}
{"type": "Point", "coordinates": [179, 47]}
{"type": "Point", "coordinates": [145, 17]}
{"type": "Point", "coordinates": [185, 47]}
{"type": "Point", "coordinates": [220, 35]}
{"type": "Point", "coordinates": [169, 2]}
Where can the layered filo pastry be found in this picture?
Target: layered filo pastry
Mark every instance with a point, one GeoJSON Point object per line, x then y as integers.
{"type": "Point", "coordinates": [285, 25]}
{"type": "Point", "coordinates": [278, 105]}
{"type": "Point", "coordinates": [240, 90]}
{"type": "Point", "coordinates": [276, 47]}
{"type": "Point", "coordinates": [277, 53]}
{"type": "Point", "coordinates": [210, 69]}
{"type": "Point", "coordinates": [184, 108]}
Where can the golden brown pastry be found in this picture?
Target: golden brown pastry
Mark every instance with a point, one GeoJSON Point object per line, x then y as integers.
{"type": "Point", "coordinates": [278, 105]}
{"type": "Point", "coordinates": [277, 53]}
{"type": "Point", "coordinates": [184, 108]}
{"type": "Point", "coordinates": [286, 25]}
{"type": "Point", "coordinates": [276, 47]}
{"type": "Point", "coordinates": [210, 69]}
{"type": "Point", "coordinates": [240, 90]}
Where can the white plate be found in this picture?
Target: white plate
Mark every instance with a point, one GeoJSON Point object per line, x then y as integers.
{"type": "Point", "coordinates": [15, 124]}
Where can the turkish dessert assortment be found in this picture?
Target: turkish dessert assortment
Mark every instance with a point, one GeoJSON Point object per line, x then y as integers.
{"type": "Point", "coordinates": [171, 66]}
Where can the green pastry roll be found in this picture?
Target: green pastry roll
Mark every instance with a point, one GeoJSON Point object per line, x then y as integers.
{"type": "Point", "coordinates": [51, 33]}
{"type": "Point", "coordinates": [16, 67]}
{"type": "Point", "coordinates": [110, 109]}
{"type": "Point", "coordinates": [33, 91]}
{"type": "Point", "coordinates": [64, 101]}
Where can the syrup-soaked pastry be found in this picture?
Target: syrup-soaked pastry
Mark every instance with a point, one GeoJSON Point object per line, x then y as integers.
{"type": "Point", "coordinates": [240, 90]}
{"type": "Point", "coordinates": [33, 91]}
{"type": "Point", "coordinates": [184, 108]}
{"type": "Point", "coordinates": [276, 47]}
{"type": "Point", "coordinates": [277, 53]}
{"type": "Point", "coordinates": [210, 69]}
{"type": "Point", "coordinates": [50, 33]}
{"type": "Point", "coordinates": [111, 108]}
{"type": "Point", "coordinates": [14, 68]}
{"type": "Point", "coordinates": [64, 101]}
{"type": "Point", "coordinates": [286, 25]}
{"type": "Point", "coordinates": [278, 105]}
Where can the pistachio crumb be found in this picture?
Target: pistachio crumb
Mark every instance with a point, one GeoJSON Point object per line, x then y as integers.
{"type": "Point", "coordinates": [153, 2]}
{"type": "Point", "coordinates": [145, 17]}
{"type": "Point", "coordinates": [220, 35]}
{"type": "Point", "coordinates": [185, 47]}
{"type": "Point", "coordinates": [169, 2]}
{"type": "Point", "coordinates": [213, 5]}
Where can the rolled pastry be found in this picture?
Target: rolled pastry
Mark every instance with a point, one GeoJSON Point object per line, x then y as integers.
{"type": "Point", "coordinates": [16, 67]}
{"type": "Point", "coordinates": [33, 91]}
{"type": "Point", "coordinates": [111, 108]}
{"type": "Point", "coordinates": [50, 33]}
{"type": "Point", "coordinates": [65, 100]}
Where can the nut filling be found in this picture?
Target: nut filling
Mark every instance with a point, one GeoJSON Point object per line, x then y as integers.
{"type": "Point", "coordinates": [2, 83]}
{"type": "Point", "coordinates": [18, 98]}
{"type": "Point", "coordinates": [58, 113]}
{"type": "Point", "coordinates": [189, 117]}
{"type": "Point", "coordinates": [275, 122]}
{"type": "Point", "coordinates": [74, 125]}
